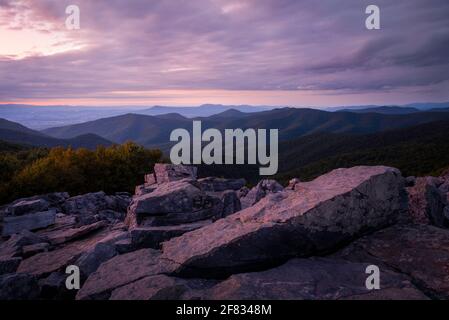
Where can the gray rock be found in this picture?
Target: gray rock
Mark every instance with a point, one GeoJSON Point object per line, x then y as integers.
{"type": "Point", "coordinates": [418, 251]}
{"type": "Point", "coordinates": [53, 287]}
{"type": "Point", "coordinates": [33, 221]}
{"type": "Point", "coordinates": [63, 236]}
{"type": "Point", "coordinates": [150, 179]}
{"type": "Point", "coordinates": [427, 202]}
{"type": "Point", "coordinates": [328, 212]}
{"type": "Point", "coordinates": [314, 279]}
{"type": "Point", "coordinates": [14, 246]}
{"type": "Point", "coordinates": [16, 286]}
{"type": "Point", "coordinates": [169, 172]}
{"type": "Point", "coordinates": [159, 287]}
{"type": "Point", "coordinates": [120, 271]}
{"type": "Point", "coordinates": [28, 206]}
{"type": "Point", "coordinates": [172, 203]}
{"type": "Point", "coordinates": [90, 261]}
{"type": "Point", "coordinates": [152, 237]}
{"type": "Point", "coordinates": [219, 184]}
{"type": "Point", "coordinates": [231, 203]}
{"type": "Point", "coordinates": [144, 189]}
{"type": "Point", "coordinates": [257, 193]}
{"type": "Point", "coordinates": [33, 249]}
{"type": "Point", "coordinates": [93, 203]}
{"type": "Point", "coordinates": [9, 264]}
{"type": "Point", "coordinates": [45, 263]}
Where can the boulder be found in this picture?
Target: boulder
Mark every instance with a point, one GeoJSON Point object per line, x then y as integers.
{"type": "Point", "coordinates": [28, 206]}
{"type": "Point", "coordinates": [33, 249]}
{"type": "Point", "coordinates": [9, 264]}
{"type": "Point", "coordinates": [418, 251]}
{"type": "Point", "coordinates": [159, 287]}
{"type": "Point", "coordinates": [31, 204]}
{"type": "Point", "coordinates": [150, 179]}
{"type": "Point", "coordinates": [169, 172]}
{"type": "Point", "coordinates": [325, 214]}
{"type": "Point", "coordinates": [427, 202]}
{"type": "Point", "coordinates": [45, 263]}
{"type": "Point", "coordinates": [16, 286]}
{"type": "Point", "coordinates": [172, 203]}
{"type": "Point", "coordinates": [314, 279]}
{"type": "Point", "coordinates": [231, 203]}
{"type": "Point", "coordinates": [63, 236]}
{"type": "Point", "coordinates": [93, 203]}
{"type": "Point", "coordinates": [89, 261]}
{"type": "Point", "coordinates": [257, 193]}
{"type": "Point", "coordinates": [53, 287]}
{"type": "Point", "coordinates": [120, 271]}
{"type": "Point", "coordinates": [42, 264]}
{"type": "Point", "coordinates": [33, 221]}
{"type": "Point", "coordinates": [152, 237]}
{"type": "Point", "coordinates": [219, 184]}
{"type": "Point", "coordinates": [15, 244]}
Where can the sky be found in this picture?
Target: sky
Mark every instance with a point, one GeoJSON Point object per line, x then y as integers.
{"type": "Point", "coordinates": [191, 52]}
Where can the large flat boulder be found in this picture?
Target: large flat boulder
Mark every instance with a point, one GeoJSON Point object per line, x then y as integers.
{"type": "Point", "coordinates": [152, 237]}
{"type": "Point", "coordinates": [63, 236]}
{"type": "Point", "coordinates": [160, 287]}
{"type": "Point", "coordinates": [317, 218]}
{"type": "Point", "coordinates": [120, 271]}
{"type": "Point", "coordinates": [45, 263]}
{"type": "Point", "coordinates": [419, 251]}
{"type": "Point", "coordinates": [32, 221]}
{"type": "Point", "coordinates": [314, 279]}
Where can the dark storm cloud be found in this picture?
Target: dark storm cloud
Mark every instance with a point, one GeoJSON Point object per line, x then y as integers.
{"type": "Point", "coordinates": [142, 45]}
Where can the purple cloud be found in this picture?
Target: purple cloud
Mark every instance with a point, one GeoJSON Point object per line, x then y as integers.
{"type": "Point", "coordinates": [137, 45]}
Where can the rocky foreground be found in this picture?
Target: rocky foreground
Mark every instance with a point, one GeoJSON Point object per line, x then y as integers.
{"type": "Point", "coordinates": [180, 237]}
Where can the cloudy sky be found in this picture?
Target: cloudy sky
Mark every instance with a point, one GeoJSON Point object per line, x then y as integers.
{"type": "Point", "coordinates": [188, 52]}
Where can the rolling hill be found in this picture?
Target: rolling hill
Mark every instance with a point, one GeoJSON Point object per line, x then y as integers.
{"type": "Point", "coordinates": [384, 110]}
{"type": "Point", "coordinates": [17, 134]}
{"type": "Point", "coordinates": [292, 123]}
{"type": "Point", "coordinates": [417, 150]}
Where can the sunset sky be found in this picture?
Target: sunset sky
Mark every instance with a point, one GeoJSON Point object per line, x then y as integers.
{"type": "Point", "coordinates": [190, 52]}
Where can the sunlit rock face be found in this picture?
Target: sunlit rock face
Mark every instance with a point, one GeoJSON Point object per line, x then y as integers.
{"type": "Point", "coordinates": [317, 217]}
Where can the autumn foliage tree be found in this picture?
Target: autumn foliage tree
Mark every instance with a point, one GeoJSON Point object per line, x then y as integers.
{"type": "Point", "coordinates": [78, 171]}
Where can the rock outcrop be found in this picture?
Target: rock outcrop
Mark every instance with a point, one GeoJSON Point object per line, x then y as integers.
{"type": "Point", "coordinates": [312, 279]}
{"type": "Point", "coordinates": [173, 201]}
{"type": "Point", "coordinates": [427, 202]}
{"type": "Point", "coordinates": [419, 251]}
{"type": "Point", "coordinates": [260, 191]}
{"type": "Point", "coordinates": [213, 238]}
{"type": "Point", "coordinates": [319, 217]}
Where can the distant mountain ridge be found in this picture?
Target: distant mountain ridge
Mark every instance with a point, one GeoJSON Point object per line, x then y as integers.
{"type": "Point", "coordinates": [384, 110]}
{"type": "Point", "coordinates": [152, 131]}
{"type": "Point", "coordinates": [15, 133]}
{"type": "Point", "coordinates": [44, 117]}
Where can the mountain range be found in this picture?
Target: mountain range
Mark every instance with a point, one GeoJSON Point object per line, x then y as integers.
{"type": "Point", "coordinates": [18, 134]}
{"type": "Point", "coordinates": [44, 117]}
{"type": "Point", "coordinates": [154, 131]}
